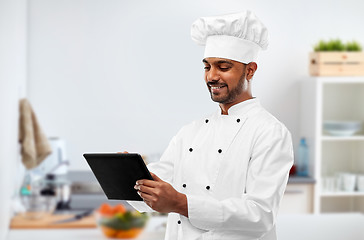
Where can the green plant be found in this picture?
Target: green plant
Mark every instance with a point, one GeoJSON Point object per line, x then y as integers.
{"type": "Point", "coordinates": [353, 46]}
{"type": "Point", "coordinates": [336, 45]}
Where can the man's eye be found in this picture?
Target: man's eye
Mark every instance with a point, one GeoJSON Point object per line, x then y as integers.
{"type": "Point", "coordinates": [206, 68]}
{"type": "Point", "coordinates": [224, 68]}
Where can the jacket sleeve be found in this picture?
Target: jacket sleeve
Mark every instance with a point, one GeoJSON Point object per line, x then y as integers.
{"type": "Point", "coordinates": [254, 213]}
{"type": "Point", "coordinates": [163, 169]}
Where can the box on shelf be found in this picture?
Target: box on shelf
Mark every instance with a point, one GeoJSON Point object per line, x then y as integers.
{"type": "Point", "coordinates": [337, 63]}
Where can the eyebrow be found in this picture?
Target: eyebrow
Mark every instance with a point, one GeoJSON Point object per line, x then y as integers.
{"type": "Point", "coordinates": [218, 62]}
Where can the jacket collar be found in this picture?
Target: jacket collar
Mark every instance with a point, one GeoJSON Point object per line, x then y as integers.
{"type": "Point", "coordinates": [243, 108]}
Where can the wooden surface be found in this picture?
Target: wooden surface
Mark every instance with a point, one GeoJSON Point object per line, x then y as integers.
{"type": "Point", "coordinates": [154, 230]}
{"type": "Point", "coordinates": [337, 63]}
{"type": "Point", "coordinates": [47, 222]}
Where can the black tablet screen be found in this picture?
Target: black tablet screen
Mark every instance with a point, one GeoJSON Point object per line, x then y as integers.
{"type": "Point", "coordinates": [117, 173]}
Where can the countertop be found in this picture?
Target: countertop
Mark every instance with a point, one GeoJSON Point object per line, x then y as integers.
{"type": "Point", "coordinates": [73, 234]}
{"type": "Point", "coordinates": [301, 180]}
{"type": "Point", "coordinates": [289, 227]}
{"type": "Point", "coordinates": [154, 230]}
{"type": "Point", "coordinates": [330, 226]}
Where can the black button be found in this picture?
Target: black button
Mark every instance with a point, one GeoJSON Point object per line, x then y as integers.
{"type": "Point", "coordinates": [238, 120]}
{"type": "Point", "coordinates": [208, 187]}
{"type": "Point", "coordinates": [206, 121]}
{"type": "Point", "coordinates": [190, 149]}
{"type": "Point", "coordinates": [184, 185]}
{"type": "Point", "coordinates": [220, 151]}
{"type": "Point", "coordinates": [179, 222]}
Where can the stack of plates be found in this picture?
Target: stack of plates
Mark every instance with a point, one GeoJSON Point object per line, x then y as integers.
{"type": "Point", "coordinates": [342, 128]}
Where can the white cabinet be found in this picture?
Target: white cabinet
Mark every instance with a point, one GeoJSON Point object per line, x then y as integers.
{"type": "Point", "coordinates": [297, 199]}
{"type": "Point", "coordinates": [333, 98]}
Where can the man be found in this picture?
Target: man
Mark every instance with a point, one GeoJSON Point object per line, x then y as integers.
{"type": "Point", "coordinates": [224, 176]}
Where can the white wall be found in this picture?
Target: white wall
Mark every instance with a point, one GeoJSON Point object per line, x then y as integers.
{"type": "Point", "coordinates": [12, 86]}
{"type": "Point", "coordinates": [115, 75]}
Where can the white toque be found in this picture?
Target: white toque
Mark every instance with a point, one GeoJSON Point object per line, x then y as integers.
{"type": "Point", "coordinates": [237, 36]}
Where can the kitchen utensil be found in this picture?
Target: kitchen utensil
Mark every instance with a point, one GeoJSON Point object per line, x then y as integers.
{"type": "Point", "coordinates": [37, 205]}
{"type": "Point", "coordinates": [53, 163]}
{"type": "Point", "coordinates": [360, 182]}
{"type": "Point", "coordinates": [54, 171]}
{"type": "Point", "coordinates": [342, 128]}
{"type": "Point", "coordinates": [348, 181]}
{"type": "Point", "coordinates": [328, 184]}
{"type": "Point", "coordinates": [76, 217]}
{"type": "Point", "coordinates": [61, 186]}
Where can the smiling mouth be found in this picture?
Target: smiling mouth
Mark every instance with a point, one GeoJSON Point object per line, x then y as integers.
{"type": "Point", "coordinates": [216, 90]}
{"type": "Point", "coordinates": [213, 88]}
{"type": "Point", "coordinates": [216, 87]}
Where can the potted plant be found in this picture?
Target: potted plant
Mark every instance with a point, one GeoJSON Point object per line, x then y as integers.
{"type": "Point", "coordinates": [335, 58]}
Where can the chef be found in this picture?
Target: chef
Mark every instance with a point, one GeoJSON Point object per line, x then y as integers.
{"type": "Point", "coordinates": [223, 176]}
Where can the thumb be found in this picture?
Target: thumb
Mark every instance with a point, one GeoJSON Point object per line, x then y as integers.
{"type": "Point", "coordinates": [155, 177]}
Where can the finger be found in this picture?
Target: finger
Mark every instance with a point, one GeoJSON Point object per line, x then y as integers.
{"type": "Point", "coordinates": [144, 189]}
{"type": "Point", "coordinates": [122, 152]}
{"type": "Point", "coordinates": [146, 182]}
{"type": "Point", "coordinates": [145, 196]}
{"type": "Point", "coordinates": [155, 177]}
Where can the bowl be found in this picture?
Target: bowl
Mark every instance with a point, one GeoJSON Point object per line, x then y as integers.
{"type": "Point", "coordinates": [342, 128]}
{"type": "Point", "coordinates": [37, 206]}
{"type": "Point", "coordinates": [117, 222]}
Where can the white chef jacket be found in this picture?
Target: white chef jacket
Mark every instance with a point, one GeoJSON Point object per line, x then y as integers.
{"type": "Point", "coordinates": [233, 169]}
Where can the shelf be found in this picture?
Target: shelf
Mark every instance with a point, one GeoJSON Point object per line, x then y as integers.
{"type": "Point", "coordinates": [342, 79]}
{"type": "Point", "coordinates": [342, 194]}
{"type": "Point", "coordinates": [340, 98]}
{"type": "Point", "coordinates": [349, 138]}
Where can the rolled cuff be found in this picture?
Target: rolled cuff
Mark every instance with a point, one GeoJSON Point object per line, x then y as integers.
{"type": "Point", "coordinates": [140, 206]}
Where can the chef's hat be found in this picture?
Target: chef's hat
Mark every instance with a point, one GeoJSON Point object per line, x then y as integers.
{"type": "Point", "coordinates": [237, 36]}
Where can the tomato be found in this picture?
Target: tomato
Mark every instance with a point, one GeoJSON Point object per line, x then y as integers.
{"type": "Point", "coordinates": [119, 209]}
{"type": "Point", "coordinates": [106, 210]}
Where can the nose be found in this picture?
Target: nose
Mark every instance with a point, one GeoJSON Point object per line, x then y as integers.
{"type": "Point", "coordinates": [212, 75]}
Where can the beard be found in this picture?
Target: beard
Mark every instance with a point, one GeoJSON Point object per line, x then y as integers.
{"type": "Point", "coordinates": [231, 94]}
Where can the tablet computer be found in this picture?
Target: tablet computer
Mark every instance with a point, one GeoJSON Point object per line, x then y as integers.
{"type": "Point", "coordinates": [117, 173]}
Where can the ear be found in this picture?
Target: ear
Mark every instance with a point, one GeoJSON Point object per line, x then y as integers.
{"type": "Point", "coordinates": [250, 70]}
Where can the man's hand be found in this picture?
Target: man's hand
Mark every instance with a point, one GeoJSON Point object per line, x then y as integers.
{"type": "Point", "coordinates": [161, 196]}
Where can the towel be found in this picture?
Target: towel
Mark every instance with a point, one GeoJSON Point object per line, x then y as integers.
{"type": "Point", "coordinates": [35, 146]}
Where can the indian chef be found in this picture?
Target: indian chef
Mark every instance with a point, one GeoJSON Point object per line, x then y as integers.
{"type": "Point", "coordinates": [223, 176]}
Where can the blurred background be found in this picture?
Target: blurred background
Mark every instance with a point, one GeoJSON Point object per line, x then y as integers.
{"type": "Point", "coordinates": [108, 76]}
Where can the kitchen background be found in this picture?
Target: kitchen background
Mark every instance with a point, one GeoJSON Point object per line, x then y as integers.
{"type": "Point", "coordinates": [115, 75]}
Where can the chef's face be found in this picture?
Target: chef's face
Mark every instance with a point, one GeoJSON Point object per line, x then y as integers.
{"type": "Point", "coordinates": [225, 80]}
